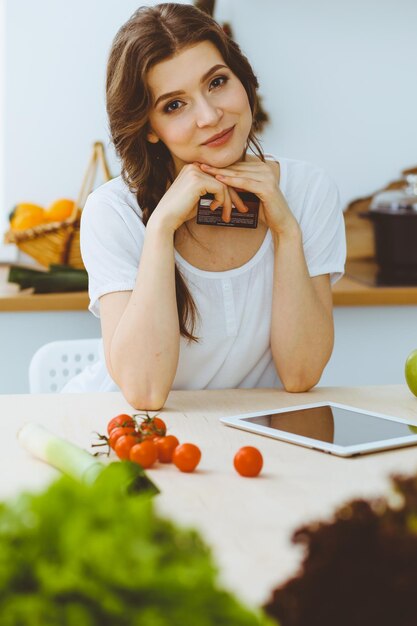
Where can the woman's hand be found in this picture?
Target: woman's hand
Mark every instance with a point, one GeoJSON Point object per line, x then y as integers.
{"type": "Point", "coordinates": [179, 203]}
{"type": "Point", "coordinates": [261, 179]}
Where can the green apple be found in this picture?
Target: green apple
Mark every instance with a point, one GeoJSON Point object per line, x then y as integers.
{"type": "Point", "coordinates": [411, 371]}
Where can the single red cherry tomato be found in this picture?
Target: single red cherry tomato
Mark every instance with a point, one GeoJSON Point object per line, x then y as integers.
{"type": "Point", "coordinates": [166, 446]}
{"type": "Point", "coordinates": [186, 457]}
{"type": "Point", "coordinates": [144, 453]}
{"type": "Point", "coordinates": [124, 444]}
{"type": "Point", "coordinates": [119, 431]}
{"type": "Point", "coordinates": [120, 420]}
{"type": "Point", "coordinates": [248, 461]}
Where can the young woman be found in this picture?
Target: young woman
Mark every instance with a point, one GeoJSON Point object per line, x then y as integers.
{"type": "Point", "coordinates": [190, 306]}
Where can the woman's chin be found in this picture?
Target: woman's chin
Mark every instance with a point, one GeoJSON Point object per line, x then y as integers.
{"type": "Point", "coordinates": [225, 160]}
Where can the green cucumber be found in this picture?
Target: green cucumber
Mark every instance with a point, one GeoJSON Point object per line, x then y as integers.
{"type": "Point", "coordinates": [23, 276]}
{"type": "Point", "coordinates": [61, 282]}
{"type": "Point", "coordinates": [55, 267]}
{"type": "Point", "coordinates": [60, 278]}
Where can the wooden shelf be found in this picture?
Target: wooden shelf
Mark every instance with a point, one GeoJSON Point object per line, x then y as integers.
{"type": "Point", "coordinates": [76, 301]}
{"type": "Point", "coordinates": [356, 288]}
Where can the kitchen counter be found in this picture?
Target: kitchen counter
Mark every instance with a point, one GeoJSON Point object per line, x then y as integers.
{"type": "Point", "coordinates": [356, 288]}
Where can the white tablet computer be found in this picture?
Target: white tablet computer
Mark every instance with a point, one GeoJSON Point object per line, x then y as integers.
{"type": "Point", "coordinates": [329, 427]}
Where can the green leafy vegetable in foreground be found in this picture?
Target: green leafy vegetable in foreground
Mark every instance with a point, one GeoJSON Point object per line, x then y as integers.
{"type": "Point", "coordinates": [79, 555]}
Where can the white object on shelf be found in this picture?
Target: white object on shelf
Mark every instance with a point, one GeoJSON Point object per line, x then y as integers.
{"type": "Point", "coordinates": [9, 289]}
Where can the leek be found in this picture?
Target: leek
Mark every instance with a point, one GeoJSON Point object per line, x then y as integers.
{"type": "Point", "coordinates": [74, 461]}
{"type": "Point", "coordinates": [61, 454]}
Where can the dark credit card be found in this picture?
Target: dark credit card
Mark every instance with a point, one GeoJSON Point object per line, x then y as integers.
{"type": "Point", "coordinates": [237, 220]}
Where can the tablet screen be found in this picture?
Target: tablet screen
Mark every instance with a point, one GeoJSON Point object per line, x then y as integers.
{"type": "Point", "coordinates": [335, 425]}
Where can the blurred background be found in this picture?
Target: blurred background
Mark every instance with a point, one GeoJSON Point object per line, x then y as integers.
{"type": "Point", "coordinates": [336, 78]}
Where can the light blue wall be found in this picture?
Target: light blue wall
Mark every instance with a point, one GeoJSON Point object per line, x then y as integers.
{"type": "Point", "coordinates": [338, 78]}
{"type": "Point", "coordinates": [371, 343]}
{"type": "Point", "coordinates": [21, 334]}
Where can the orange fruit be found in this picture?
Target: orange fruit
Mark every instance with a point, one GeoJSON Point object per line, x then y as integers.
{"type": "Point", "coordinates": [59, 210]}
{"type": "Point", "coordinates": [26, 215]}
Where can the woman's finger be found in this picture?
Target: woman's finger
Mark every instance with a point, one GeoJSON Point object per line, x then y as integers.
{"type": "Point", "coordinates": [216, 188]}
{"type": "Point", "coordinates": [222, 199]}
{"type": "Point", "coordinates": [237, 201]}
{"type": "Point", "coordinates": [247, 184]}
{"type": "Point", "coordinates": [214, 204]}
{"type": "Point", "coordinates": [256, 172]}
{"type": "Point", "coordinates": [227, 207]}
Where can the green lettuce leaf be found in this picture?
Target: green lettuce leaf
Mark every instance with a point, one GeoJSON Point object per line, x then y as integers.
{"type": "Point", "coordinates": [79, 555]}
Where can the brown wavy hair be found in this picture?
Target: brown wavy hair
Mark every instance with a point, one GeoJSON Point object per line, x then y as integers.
{"type": "Point", "coordinates": [151, 35]}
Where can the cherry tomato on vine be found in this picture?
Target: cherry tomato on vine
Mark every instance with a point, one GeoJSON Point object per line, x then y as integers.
{"type": "Point", "coordinates": [144, 453]}
{"type": "Point", "coordinates": [120, 420]}
{"type": "Point", "coordinates": [165, 447]}
{"type": "Point", "coordinates": [153, 427]}
{"type": "Point", "coordinates": [186, 457]}
{"type": "Point", "coordinates": [248, 461]}
{"type": "Point", "coordinates": [124, 444]}
{"type": "Point", "coordinates": [147, 432]}
{"type": "Point", "coordinates": [160, 426]}
{"type": "Point", "coordinates": [119, 431]}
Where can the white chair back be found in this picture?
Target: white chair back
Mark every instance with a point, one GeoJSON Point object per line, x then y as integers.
{"type": "Point", "coordinates": [55, 363]}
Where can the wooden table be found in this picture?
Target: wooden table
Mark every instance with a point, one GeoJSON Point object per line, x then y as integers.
{"type": "Point", "coordinates": [248, 522]}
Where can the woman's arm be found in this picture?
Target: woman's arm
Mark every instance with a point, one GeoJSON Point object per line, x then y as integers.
{"type": "Point", "coordinates": [141, 329]}
{"type": "Point", "coordinates": [302, 331]}
{"type": "Point", "coordinates": [141, 332]}
{"type": "Point", "coordinates": [302, 321]}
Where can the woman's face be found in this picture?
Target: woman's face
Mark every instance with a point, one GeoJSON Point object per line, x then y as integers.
{"type": "Point", "coordinates": [196, 97]}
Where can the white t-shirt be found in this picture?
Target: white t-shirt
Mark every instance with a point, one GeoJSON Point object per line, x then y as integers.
{"type": "Point", "coordinates": [235, 305]}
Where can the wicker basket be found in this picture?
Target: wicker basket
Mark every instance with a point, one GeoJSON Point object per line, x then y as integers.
{"type": "Point", "coordinates": [59, 242]}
